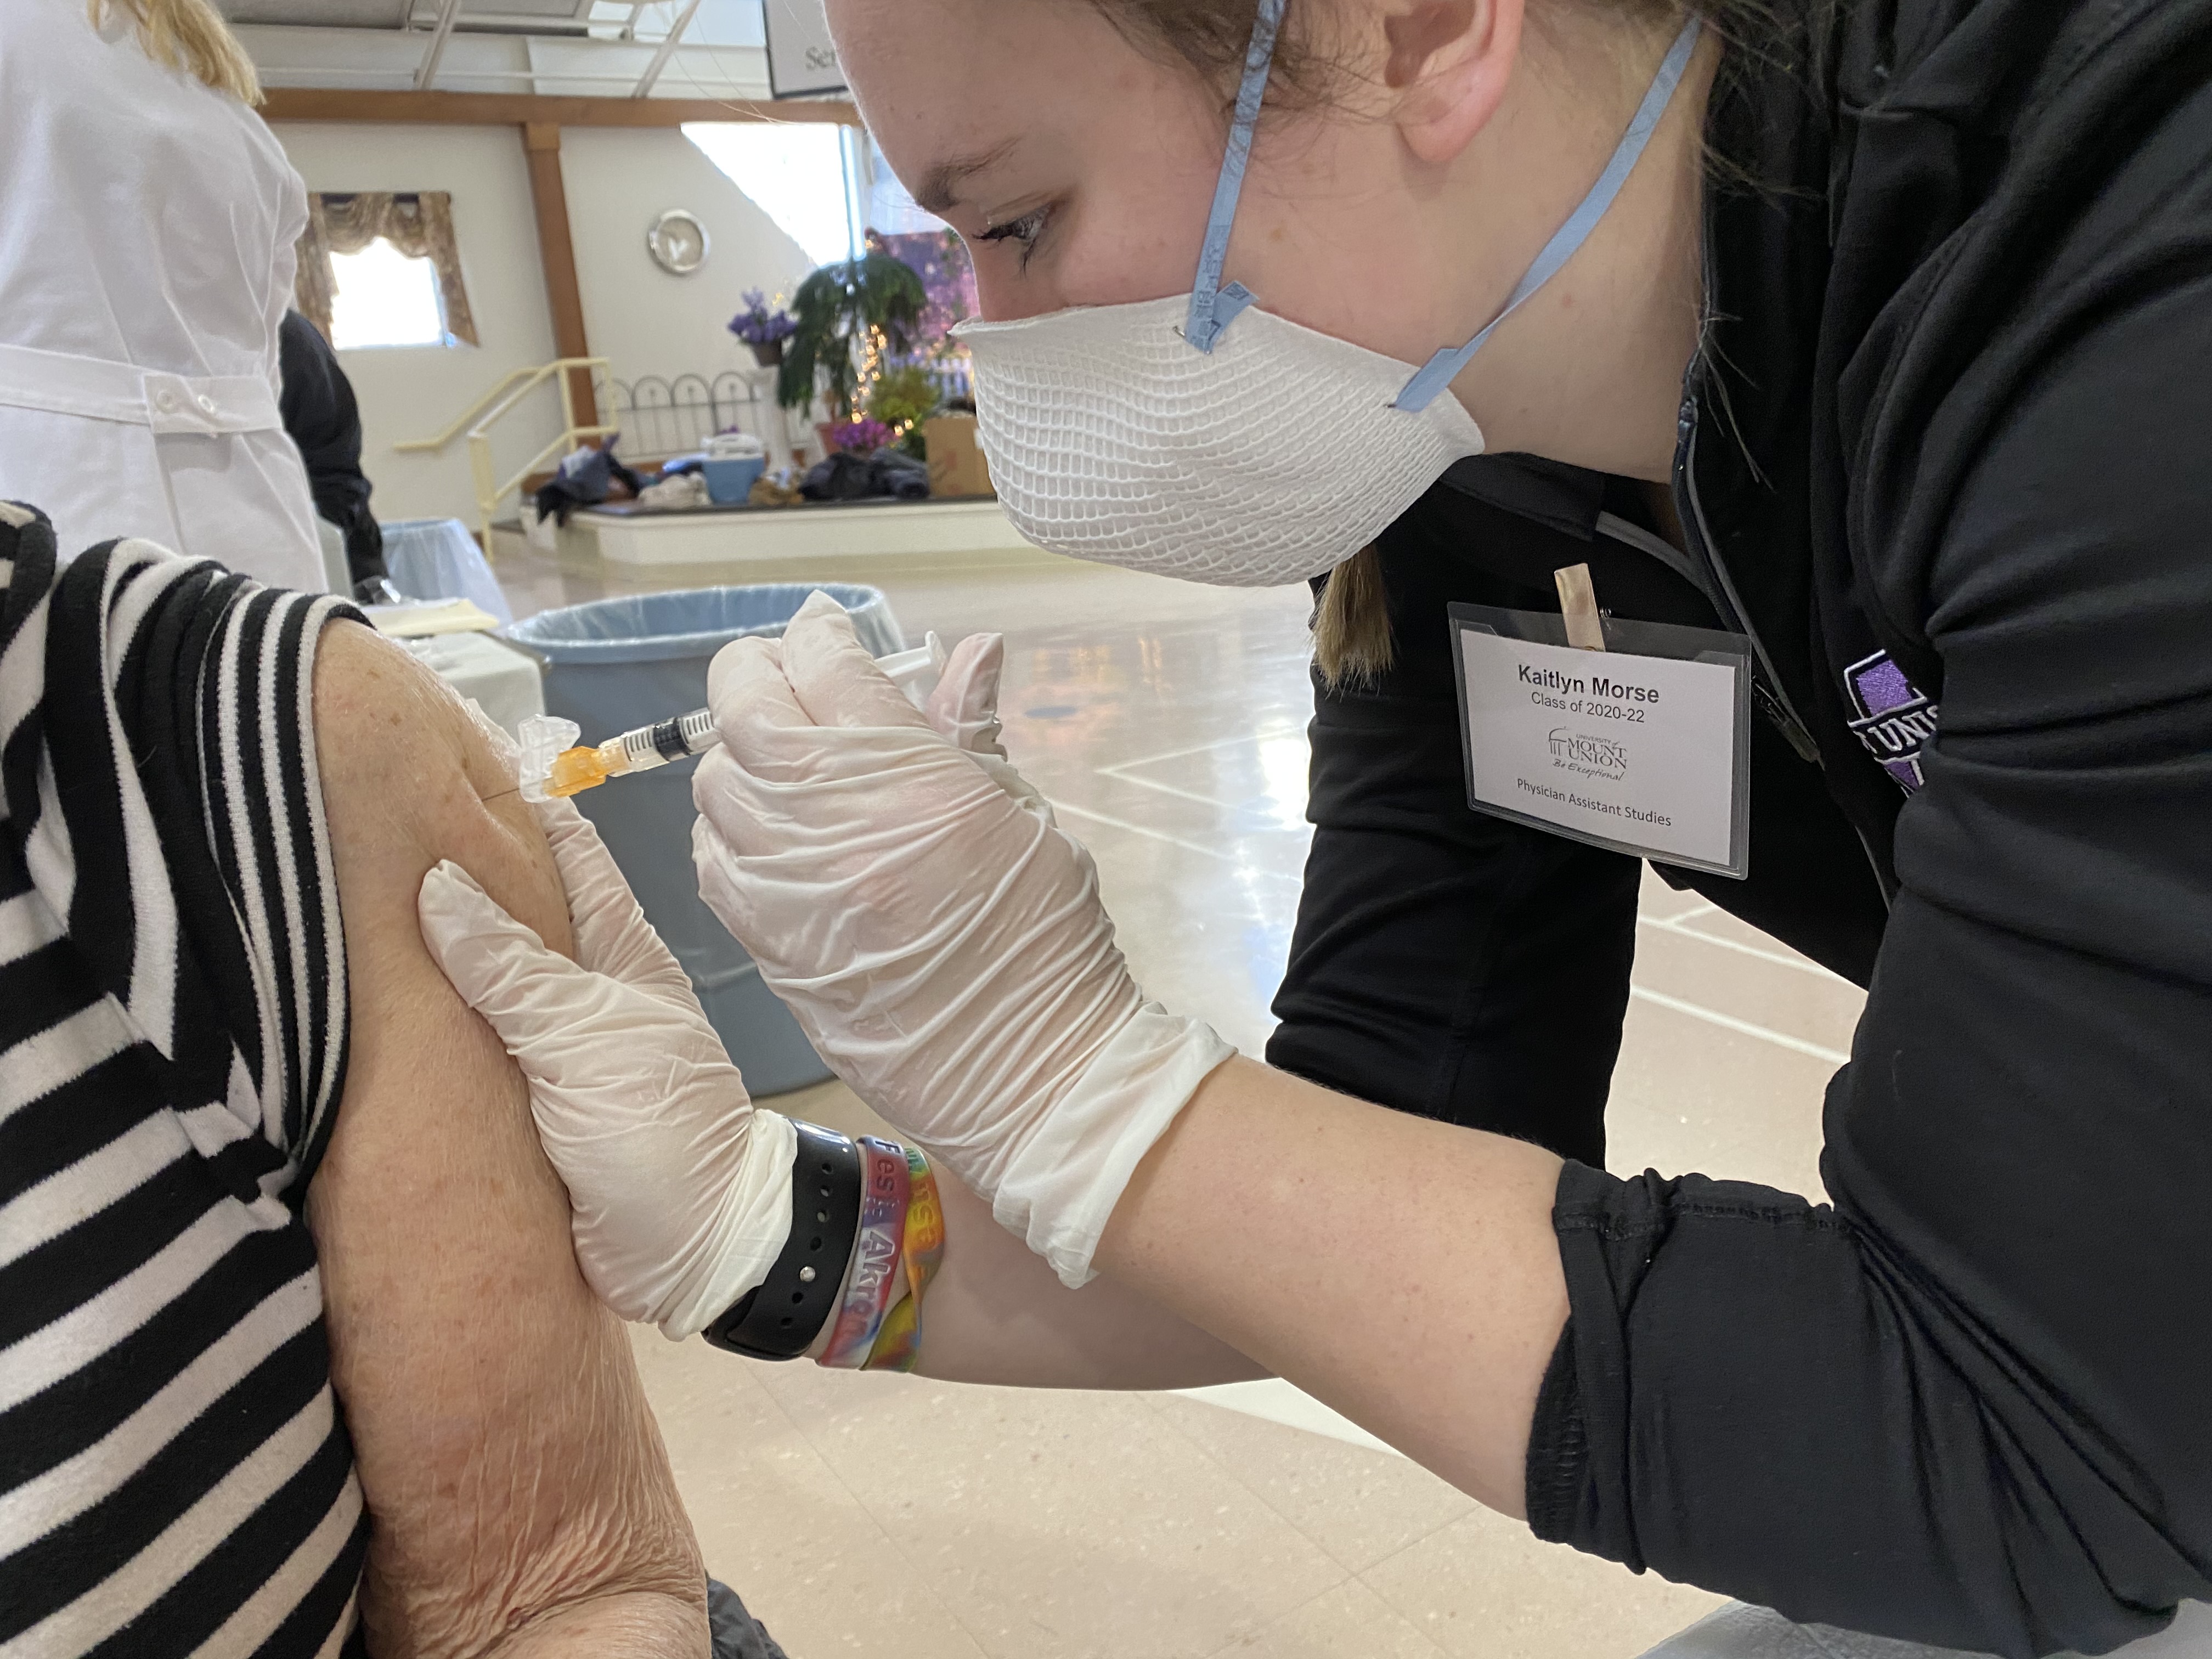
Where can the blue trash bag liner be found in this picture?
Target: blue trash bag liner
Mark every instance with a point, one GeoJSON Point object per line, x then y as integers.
{"type": "Point", "coordinates": [695, 622]}
{"type": "Point", "coordinates": [438, 559]}
{"type": "Point", "coordinates": [616, 664]}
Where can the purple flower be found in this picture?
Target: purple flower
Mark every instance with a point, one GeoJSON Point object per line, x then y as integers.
{"type": "Point", "coordinates": [757, 326]}
{"type": "Point", "coordinates": [861, 437]}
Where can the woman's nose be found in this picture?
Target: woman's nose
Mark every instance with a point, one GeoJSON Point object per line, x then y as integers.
{"type": "Point", "coordinates": [1003, 299]}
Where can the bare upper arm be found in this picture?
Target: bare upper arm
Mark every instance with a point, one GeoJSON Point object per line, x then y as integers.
{"type": "Point", "coordinates": [514, 1476]}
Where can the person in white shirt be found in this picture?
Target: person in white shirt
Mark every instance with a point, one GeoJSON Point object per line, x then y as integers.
{"type": "Point", "coordinates": [146, 261]}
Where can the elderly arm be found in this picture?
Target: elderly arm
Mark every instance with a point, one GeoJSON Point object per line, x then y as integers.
{"type": "Point", "coordinates": [521, 1502]}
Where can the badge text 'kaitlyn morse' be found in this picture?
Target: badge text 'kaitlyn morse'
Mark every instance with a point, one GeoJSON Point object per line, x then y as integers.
{"type": "Point", "coordinates": [1593, 685]}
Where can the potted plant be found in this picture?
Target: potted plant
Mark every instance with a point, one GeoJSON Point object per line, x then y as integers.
{"type": "Point", "coordinates": [839, 311]}
{"type": "Point", "coordinates": [764, 330]}
{"type": "Point", "coordinates": [902, 398]}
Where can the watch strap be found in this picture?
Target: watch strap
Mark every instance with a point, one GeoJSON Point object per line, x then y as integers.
{"type": "Point", "coordinates": [780, 1318]}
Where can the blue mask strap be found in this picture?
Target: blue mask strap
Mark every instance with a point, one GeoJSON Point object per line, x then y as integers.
{"type": "Point", "coordinates": [1442, 369]}
{"type": "Point", "coordinates": [1212, 306]}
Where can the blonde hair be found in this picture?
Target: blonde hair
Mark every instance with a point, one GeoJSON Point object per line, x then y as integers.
{"type": "Point", "coordinates": [1352, 644]}
{"type": "Point", "coordinates": [189, 35]}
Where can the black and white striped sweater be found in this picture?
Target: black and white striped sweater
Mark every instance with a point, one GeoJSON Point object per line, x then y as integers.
{"type": "Point", "coordinates": [175, 1476]}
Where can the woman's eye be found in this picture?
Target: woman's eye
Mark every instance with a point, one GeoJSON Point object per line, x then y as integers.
{"type": "Point", "coordinates": [1023, 231]}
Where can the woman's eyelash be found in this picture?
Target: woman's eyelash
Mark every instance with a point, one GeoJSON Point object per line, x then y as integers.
{"type": "Point", "coordinates": [1023, 231]}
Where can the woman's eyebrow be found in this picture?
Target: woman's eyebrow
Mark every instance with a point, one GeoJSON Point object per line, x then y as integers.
{"type": "Point", "coordinates": [940, 185]}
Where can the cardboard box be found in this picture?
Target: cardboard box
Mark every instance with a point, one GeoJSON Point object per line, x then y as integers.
{"type": "Point", "coordinates": [956, 466]}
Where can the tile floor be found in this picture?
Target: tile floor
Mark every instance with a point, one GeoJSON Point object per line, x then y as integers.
{"type": "Point", "coordinates": [893, 1516]}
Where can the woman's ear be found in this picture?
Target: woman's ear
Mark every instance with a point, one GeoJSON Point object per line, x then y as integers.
{"type": "Point", "coordinates": [1449, 62]}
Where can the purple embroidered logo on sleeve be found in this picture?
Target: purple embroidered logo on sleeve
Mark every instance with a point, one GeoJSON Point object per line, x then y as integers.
{"type": "Point", "coordinates": [1895, 721]}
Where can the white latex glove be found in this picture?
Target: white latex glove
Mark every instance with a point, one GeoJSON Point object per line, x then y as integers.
{"type": "Point", "coordinates": [964, 705]}
{"type": "Point", "coordinates": [939, 936]}
{"type": "Point", "coordinates": [680, 1190]}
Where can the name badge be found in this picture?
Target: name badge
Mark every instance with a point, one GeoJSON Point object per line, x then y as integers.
{"type": "Point", "coordinates": [1642, 748]}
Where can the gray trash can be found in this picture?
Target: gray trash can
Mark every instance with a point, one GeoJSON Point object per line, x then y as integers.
{"type": "Point", "coordinates": [618, 663]}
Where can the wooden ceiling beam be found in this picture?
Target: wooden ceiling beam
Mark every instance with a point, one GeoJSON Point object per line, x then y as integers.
{"type": "Point", "coordinates": [497, 109]}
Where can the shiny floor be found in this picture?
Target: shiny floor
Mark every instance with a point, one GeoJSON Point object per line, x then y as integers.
{"type": "Point", "coordinates": [891, 1516]}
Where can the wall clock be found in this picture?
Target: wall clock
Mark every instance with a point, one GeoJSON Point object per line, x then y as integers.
{"type": "Point", "coordinates": [677, 242]}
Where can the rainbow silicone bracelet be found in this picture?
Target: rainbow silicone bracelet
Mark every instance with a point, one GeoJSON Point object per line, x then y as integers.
{"type": "Point", "coordinates": [885, 1186]}
{"type": "Point", "coordinates": [900, 1343]}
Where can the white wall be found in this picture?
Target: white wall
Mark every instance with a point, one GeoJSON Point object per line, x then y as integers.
{"type": "Point", "coordinates": [640, 318]}
{"type": "Point", "coordinates": [408, 392]}
{"type": "Point", "coordinates": [636, 315]}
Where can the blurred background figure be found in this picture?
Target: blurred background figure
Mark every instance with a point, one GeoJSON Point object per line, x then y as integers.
{"type": "Point", "coordinates": [323, 420]}
{"type": "Point", "coordinates": [146, 263]}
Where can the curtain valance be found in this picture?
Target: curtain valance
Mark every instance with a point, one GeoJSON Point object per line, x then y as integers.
{"type": "Point", "coordinates": [420, 224]}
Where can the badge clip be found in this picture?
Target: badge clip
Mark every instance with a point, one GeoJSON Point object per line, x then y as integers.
{"type": "Point", "coordinates": [1578, 607]}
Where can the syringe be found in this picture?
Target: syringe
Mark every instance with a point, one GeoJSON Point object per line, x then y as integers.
{"type": "Point", "coordinates": [553, 765]}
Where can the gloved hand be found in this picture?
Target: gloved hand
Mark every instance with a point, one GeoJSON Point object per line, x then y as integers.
{"type": "Point", "coordinates": [680, 1190]}
{"type": "Point", "coordinates": [964, 705]}
{"type": "Point", "coordinates": [938, 936]}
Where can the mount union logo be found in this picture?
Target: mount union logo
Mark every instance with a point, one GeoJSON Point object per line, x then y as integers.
{"type": "Point", "coordinates": [1581, 751]}
{"type": "Point", "coordinates": [1895, 721]}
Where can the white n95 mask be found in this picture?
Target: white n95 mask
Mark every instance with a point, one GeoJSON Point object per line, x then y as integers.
{"type": "Point", "coordinates": [1155, 436]}
{"type": "Point", "coordinates": [1270, 458]}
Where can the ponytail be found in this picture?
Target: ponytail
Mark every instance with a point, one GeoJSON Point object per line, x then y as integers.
{"type": "Point", "coordinates": [1352, 625]}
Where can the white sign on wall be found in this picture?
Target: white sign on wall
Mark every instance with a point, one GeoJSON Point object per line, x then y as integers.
{"type": "Point", "coordinates": [802, 59]}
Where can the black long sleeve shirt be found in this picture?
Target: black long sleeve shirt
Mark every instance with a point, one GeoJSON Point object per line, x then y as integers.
{"type": "Point", "coordinates": [1943, 455]}
{"type": "Point", "coordinates": [323, 420]}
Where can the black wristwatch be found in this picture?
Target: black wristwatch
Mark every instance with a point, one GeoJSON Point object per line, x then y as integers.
{"type": "Point", "coordinates": [781, 1318]}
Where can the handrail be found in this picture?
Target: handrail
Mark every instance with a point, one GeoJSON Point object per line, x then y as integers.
{"type": "Point", "coordinates": [532, 381]}
{"type": "Point", "coordinates": [489, 495]}
{"type": "Point", "coordinates": [494, 406]}
{"type": "Point", "coordinates": [468, 416]}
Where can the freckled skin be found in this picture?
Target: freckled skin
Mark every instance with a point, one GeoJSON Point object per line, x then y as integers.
{"type": "Point", "coordinates": [521, 1501]}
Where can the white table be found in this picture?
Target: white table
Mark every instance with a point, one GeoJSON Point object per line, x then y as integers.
{"type": "Point", "coordinates": [507, 684]}
{"type": "Point", "coordinates": [846, 534]}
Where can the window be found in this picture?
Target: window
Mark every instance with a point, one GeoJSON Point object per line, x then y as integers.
{"type": "Point", "coordinates": [890, 209]}
{"type": "Point", "coordinates": [381, 269]}
{"type": "Point", "coordinates": [383, 298]}
{"type": "Point", "coordinates": [801, 175]}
